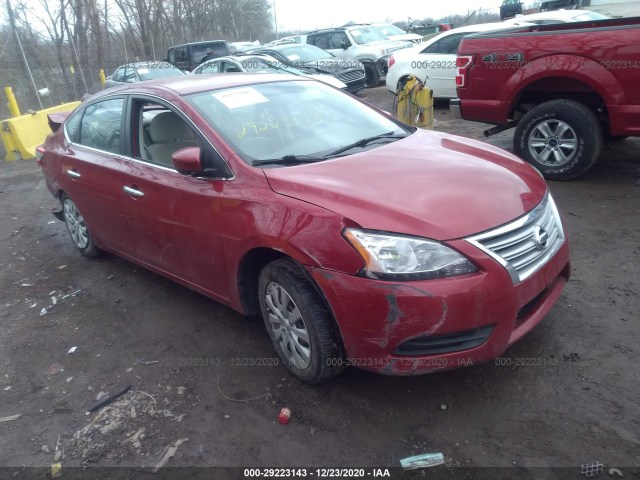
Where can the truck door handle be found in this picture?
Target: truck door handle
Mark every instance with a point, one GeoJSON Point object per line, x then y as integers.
{"type": "Point", "coordinates": [133, 191]}
{"type": "Point", "coordinates": [73, 173]}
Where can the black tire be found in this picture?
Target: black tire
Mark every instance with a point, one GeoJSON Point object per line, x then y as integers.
{"type": "Point", "coordinates": [372, 77]}
{"type": "Point", "coordinates": [78, 231]}
{"type": "Point", "coordinates": [325, 346]}
{"type": "Point", "coordinates": [552, 154]}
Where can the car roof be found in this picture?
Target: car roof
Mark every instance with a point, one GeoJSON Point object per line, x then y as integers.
{"type": "Point", "coordinates": [238, 57]}
{"type": "Point", "coordinates": [147, 63]}
{"type": "Point", "coordinates": [559, 14]}
{"type": "Point", "coordinates": [285, 46]}
{"type": "Point", "coordinates": [197, 43]}
{"type": "Point", "coordinates": [478, 28]}
{"type": "Point", "coordinates": [188, 84]}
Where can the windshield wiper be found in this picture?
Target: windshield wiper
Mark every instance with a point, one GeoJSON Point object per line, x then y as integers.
{"type": "Point", "coordinates": [366, 141]}
{"type": "Point", "coordinates": [287, 160]}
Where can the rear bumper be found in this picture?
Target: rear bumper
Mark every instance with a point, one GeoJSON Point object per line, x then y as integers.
{"type": "Point", "coordinates": [407, 328]}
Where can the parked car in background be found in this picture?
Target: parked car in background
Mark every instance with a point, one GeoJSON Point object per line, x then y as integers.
{"type": "Point", "coordinates": [557, 16]}
{"type": "Point", "coordinates": [189, 55]}
{"type": "Point", "coordinates": [295, 39]}
{"type": "Point", "coordinates": [359, 240]}
{"type": "Point", "coordinates": [396, 33]}
{"type": "Point", "coordinates": [241, 47]}
{"type": "Point", "coordinates": [434, 60]}
{"type": "Point", "coordinates": [510, 8]}
{"type": "Point", "coordinates": [566, 88]}
{"type": "Point", "coordinates": [363, 43]}
{"type": "Point", "coordinates": [141, 71]}
{"type": "Point", "coordinates": [254, 63]}
{"type": "Point", "coordinates": [314, 60]}
{"type": "Point", "coordinates": [427, 31]}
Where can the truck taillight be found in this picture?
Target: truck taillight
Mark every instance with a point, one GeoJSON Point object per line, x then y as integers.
{"type": "Point", "coordinates": [40, 150]}
{"type": "Point", "coordinates": [463, 62]}
{"type": "Point", "coordinates": [391, 61]}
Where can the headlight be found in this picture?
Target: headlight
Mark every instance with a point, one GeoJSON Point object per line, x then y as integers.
{"type": "Point", "coordinates": [398, 257]}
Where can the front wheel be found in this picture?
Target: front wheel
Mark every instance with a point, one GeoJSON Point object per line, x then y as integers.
{"type": "Point", "coordinates": [561, 138]}
{"type": "Point", "coordinates": [372, 77]}
{"type": "Point", "coordinates": [77, 228]}
{"type": "Point", "coordinates": [301, 328]}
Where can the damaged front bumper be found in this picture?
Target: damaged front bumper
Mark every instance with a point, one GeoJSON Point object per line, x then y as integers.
{"type": "Point", "coordinates": [405, 328]}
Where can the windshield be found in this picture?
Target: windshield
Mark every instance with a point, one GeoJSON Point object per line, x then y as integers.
{"type": "Point", "coordinates": [586, 16]}
{"type": "Point", "coordinates": [391, 30]}
{"type": "Point", "coordinates": [367, 34]}
{"type": "Point", "coordinates": [262, 122]}
{"type": "Point", "coordinates": [157, 70]}
{"type": "Point", "coordinates": [304, 53]}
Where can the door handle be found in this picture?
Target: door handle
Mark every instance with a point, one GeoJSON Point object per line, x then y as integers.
{"type": "Point", "coordinates": [73, 173]}
{"type": "Point", "coordinates": [133, 191]}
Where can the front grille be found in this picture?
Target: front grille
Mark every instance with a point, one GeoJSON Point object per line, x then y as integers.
{"type": "Point", "coordinates": [526, 244]}
{"type": "Point", "coordinates": [452, 342]}
{"type": "Point", "coordinates": [351, 76]}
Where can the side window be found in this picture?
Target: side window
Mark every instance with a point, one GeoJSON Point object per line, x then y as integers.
{"type": "Point", "coordinates": [118, 75]}
{"type": "Point", "coordinates": [230, 67]}
{"type": "Point", "coordinates": [72, 126]}
{"type": "Point", "coordinates": [433, 48]}
{"type": "Point", "coordinates": [449, 45]}
{"type": "Point", "coordinates": [171, 56]}
{"type": "Point", "coordinates": [129, 74]}
{"type": "Point", "coordinates": [337, 38]}
{"type": "Point", "coordinates": [181, 55]}
{"type": "Point", "coordinates": [100, 126]}
{"type": "Point", "coordinates": [159, 132]}
{"type": "Point", "coordinates": [213, 67]}
{"type": "Point", "coordinates": [322, 41]}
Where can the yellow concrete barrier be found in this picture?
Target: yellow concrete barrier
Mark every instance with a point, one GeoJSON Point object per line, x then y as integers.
{"type": "Point", "coordinates": [21, 135]}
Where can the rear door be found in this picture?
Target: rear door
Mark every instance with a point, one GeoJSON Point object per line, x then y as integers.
{"type": "Point", "coordinates": [90, 169]}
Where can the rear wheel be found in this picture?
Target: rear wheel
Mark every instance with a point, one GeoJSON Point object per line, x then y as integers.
{"type": "Point", "coordinates": [301, 328]}
{"type": "Point", "coordinates": [561, 138]}
{"type": "Point", "coordinates": [77, 228]}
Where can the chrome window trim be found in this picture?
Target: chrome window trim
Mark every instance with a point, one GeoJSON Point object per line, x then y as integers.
{"type": "Point", "coordinates": [126, 157]}
{"type": "Point", "coordinates": [517, 277]}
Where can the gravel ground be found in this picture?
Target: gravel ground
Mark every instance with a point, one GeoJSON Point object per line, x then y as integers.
{"type": "Point", "coordinates": [576, 403]}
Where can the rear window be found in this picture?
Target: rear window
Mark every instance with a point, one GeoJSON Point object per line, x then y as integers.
{"type": "Point", "coordinates": [201, 50]}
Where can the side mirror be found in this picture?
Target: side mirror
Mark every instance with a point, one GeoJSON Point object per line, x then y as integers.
{"type": "Point", "coordinates": [187, 160]}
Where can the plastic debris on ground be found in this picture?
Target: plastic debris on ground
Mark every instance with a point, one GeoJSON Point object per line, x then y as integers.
{"type": "Point", "coordinates": [422, 461]}
{"type": "Point", "coordinates": [284, 416]}
{"type": "Point", "coordinates": [169, 452]}
{"type": "Point", "coordinates": [10, 418]}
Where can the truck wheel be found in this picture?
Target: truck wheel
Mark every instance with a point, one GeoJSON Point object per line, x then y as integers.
{"type": "Point", "coordinates": [301, 328]}
{"type": "Point", "coordinates": [372, 77]}
{"type": "Point", "coordinates": [561, 138]}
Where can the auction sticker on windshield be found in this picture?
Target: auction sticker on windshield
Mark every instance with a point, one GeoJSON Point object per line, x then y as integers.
{"type": "Point", "coordinates": [239, 97]}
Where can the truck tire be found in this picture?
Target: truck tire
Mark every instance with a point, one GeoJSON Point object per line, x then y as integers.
{"type": "Point", "coordinates": [561, 138]}
{"type": "Point", "coordinates": [372, 77]}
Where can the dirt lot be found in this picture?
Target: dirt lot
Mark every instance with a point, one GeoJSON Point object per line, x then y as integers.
{"type": "Point", "coordinates": [575, 403]}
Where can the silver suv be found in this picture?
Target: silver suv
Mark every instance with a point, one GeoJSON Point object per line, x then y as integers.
{"type": "Point", "coordinates": [361, 43]}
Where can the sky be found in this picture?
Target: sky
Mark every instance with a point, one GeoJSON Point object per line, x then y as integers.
{"type": "Point", "coordinates": [311, 14]}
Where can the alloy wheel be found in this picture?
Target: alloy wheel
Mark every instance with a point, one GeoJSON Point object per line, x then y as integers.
{"type": "Point", "coordinates": [287, 325]}
{"type": "Point", "coordinates": [75, 224]}
{"type": "Point", "coordinates": [553, 143]}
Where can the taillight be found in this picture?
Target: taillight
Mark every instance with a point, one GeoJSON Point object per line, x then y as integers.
{"type": "Point", "coordinates": [463, 62]}
{"type": "Point", "coordinates": [40, 151]}
{"type": "Point", "coordinates": [391, 61]}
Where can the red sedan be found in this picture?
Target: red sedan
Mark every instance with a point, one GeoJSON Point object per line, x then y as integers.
{"type": "Point", "coordinates": [361, 241]}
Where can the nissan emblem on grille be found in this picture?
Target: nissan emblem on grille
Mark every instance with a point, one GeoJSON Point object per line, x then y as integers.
{"type": "Point", "coordinates": [540, 237]}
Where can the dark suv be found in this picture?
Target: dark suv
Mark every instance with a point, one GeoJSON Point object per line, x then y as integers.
{"type": "Point", "coordinates": [189, 55]}
{"type": "Point", "coordinates": [510, 8]}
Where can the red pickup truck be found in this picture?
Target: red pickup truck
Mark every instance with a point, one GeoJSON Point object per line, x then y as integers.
{"type": "Point", "coordinates": [566, 88]}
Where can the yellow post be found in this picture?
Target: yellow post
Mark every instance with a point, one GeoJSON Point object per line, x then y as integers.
{"type": "Point", "coordinates": [13, 105]}
{"type": "Point", "coordinates": [103, 79]}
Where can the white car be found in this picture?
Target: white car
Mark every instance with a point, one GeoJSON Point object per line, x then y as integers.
{"type": "Point", "coordinates": [255, 63]}
{"type": "Point", "coordinates": [557, 16]}
{"type": "Point", "coordinates": [434, 60]}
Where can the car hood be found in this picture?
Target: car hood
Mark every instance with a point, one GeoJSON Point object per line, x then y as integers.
{"type": "Point", "coordinates": [407, 37]}
{"type": "Point", "coordinates": [429, 184]}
